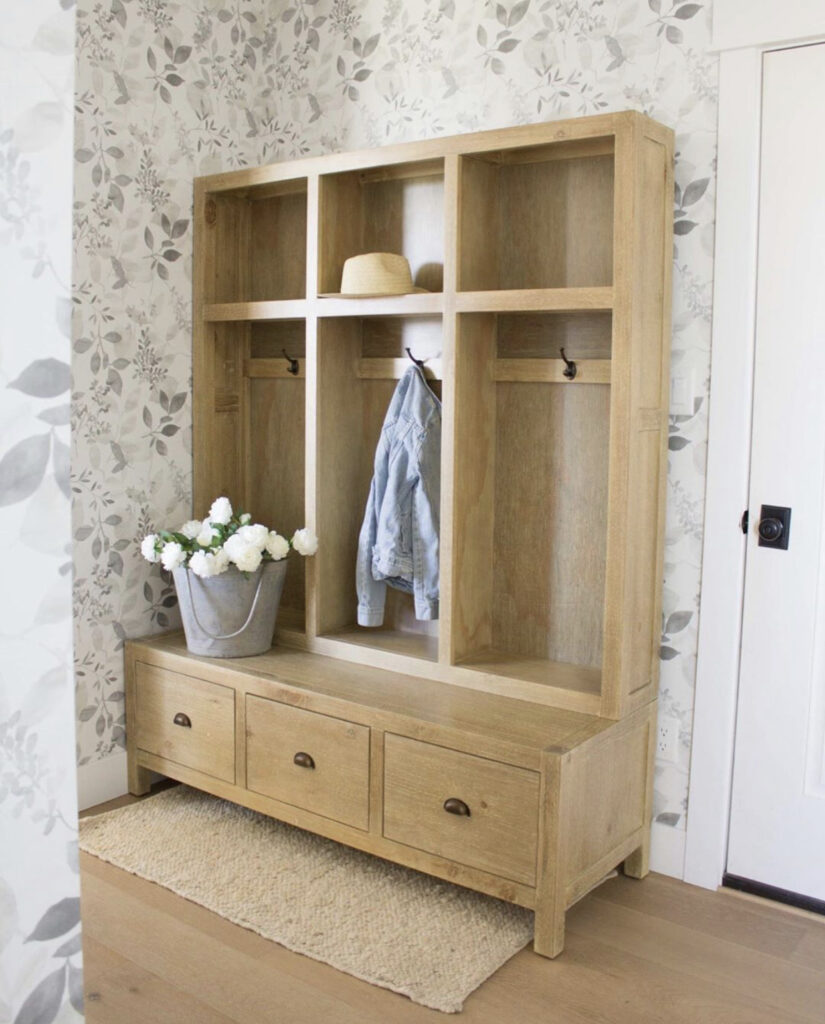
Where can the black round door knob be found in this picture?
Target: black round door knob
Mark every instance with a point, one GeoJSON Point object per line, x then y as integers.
{"type": "Point", "coordinates": [770, 529]}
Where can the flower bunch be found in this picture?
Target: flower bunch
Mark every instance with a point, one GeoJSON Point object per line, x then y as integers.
{"type": "Point", "coordinates": [210, 546]}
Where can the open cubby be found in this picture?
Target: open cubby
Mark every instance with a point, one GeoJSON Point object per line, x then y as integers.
{"type": "Point", "coordinates": [275, 445]}
{"type": "Point", "coordinates": [537, 217]}
{"type": "Point", "coordinates": [359, 363]}
{"type": "Point", "coordinates": [260, 235]}
{"type": "Point", "coordinates": [398, 208]}
{"type": "Point", "coordinates": [530, 531]}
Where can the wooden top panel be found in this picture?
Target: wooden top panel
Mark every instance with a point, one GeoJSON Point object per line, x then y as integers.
{"type": "Point", "coordinates": [524, 727]}
{"type": "Point", "coordinates": [503, 139]}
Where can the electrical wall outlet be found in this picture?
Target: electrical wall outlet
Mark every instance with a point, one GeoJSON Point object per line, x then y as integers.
{"type": "Point", "coordinates": [667, 741]}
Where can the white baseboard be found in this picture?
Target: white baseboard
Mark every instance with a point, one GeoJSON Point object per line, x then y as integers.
{"type": "Point", "coordinates": [102, 780]}
{"type": "Point", "coordinates": [667, 850]}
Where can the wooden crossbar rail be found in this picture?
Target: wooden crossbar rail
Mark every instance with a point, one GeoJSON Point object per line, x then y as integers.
{"type": "Point", "coordinates": [551, 371]}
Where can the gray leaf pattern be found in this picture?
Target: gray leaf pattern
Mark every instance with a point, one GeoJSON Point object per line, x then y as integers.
{"type": "Point", "coordinates": [167, 91]}
{"type": "Point", "coordinates": [38, 808]}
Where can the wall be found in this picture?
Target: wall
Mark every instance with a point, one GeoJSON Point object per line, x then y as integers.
{"type": "Point", "coordinates": [40, 968]}
{"type": "Point", "coordinates": [166, 92]}
{"type": "Point", "coordinates": [161, 97]}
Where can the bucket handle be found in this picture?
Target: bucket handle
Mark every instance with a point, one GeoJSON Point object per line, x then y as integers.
{"type": "Point", "coordinates": [226, 636]}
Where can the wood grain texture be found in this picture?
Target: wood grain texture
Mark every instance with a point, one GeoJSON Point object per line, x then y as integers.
{"type": "Point", "coordinates": [280, 309]}
{"type": "Point", "coordinates": [584, 334]}
{"type": "Point", "coordinates": [550, 512]}
{"type": "Point", "coordinates": [337, 784]}
{"type": "Point", "coordinates": [472, 485]}
{"type": "Point", "coordinates": [634, 953]}
{"type": "Point", "coordinates": [277, 247]}
{"type": "Point", "coordinates": [494, 726]}
{"type": "Point", "coordinates": [208, 744]}
{"type": "Point", "coordinates": [498, 835]}
{"type": "Point", "coordinates": [531, 239]}
{"type": "Point", "coordinates": [527, 300]}
{"type": "Point", "coordinates": [276, 450]}
{"type": "Point", "coordinates": [641, 346]}
{"type": "Point", "coordinates": [401, 213]}
{"type": "Point", "coordinates": [551, 371]}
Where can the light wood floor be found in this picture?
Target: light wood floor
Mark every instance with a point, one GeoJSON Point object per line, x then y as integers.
{"type": "Point", "coordinates": [637, 953]}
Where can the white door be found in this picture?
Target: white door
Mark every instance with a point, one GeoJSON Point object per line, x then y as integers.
{"type": "Point", "coordinates": [777, 831]}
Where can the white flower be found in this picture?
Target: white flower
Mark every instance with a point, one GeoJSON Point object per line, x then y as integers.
{"type": "Point", "coordinates": [147, 548]}
{"type": "Point", "coordinates": [192, 528]}
{"type": "Point", "coordinates": [245, 519]}
{"type": "Point", "coordinates": [245, 556]}
{"type": "Point", "coordinates": [205, 563]}
{"type": "Point", "coordinates": [234, 546]}
{"type": "Point", "coordinates": [256, 535]}
{"type": "Point", "coordinates": [172, 555]}
{"type": "Point", "coordinates": [277, 546]}
{"type": "Point", "coordinates": [221, 511]}
{"type": "Point", "coordinates": [205, 535]}
{"type": "Point", "coordinates": [248, 559]}
{"type": "Point", "coordinates": [305, 542]}
{"type": "Point", "coordinates": [200, 563]}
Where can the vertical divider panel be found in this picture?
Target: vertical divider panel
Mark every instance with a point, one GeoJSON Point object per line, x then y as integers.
{"type": "Point", "coordinates": [313, 398]}
{"type": "Point", "coordinates": [218, 350]}
{"type": "Point", "coordinates": [452, 255]}
{"type": "Point", "coordinates": [473, 485]}
{"type": "Point", "coordinates": [620, 399]}
{"type": "Point", "coordinates": [339, 459]}
{"type": "Point", "coordinates": [650, 362]}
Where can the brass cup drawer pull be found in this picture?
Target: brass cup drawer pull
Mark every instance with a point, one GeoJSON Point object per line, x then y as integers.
{"type": "Point", "coordinates": [452, 805]}
{"type": "Point", "coordinates": [182, 719]}
{"type": "Point", "coordinates": [303, 760]}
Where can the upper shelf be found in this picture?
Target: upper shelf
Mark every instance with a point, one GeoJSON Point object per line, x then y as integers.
{"type": "Point", "coordinates": [536, 300]}
{"type": "Point", "coordinates": [528, 300]}
{"type": "Point", "coordinates": [276, 309]}
{"type": "Point", "coordinates": [417, 304]}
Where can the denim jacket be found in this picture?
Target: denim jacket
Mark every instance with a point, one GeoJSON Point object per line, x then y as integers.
{"type": "Point", "coordinates": [398, 544]}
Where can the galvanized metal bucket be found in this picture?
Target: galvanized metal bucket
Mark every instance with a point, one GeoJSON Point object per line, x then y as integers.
{"type": "Point", "coordinates": [231, 615]}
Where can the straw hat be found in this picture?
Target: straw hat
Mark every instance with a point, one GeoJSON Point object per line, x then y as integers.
{"type": "Point", "coordinates": [377, 273]}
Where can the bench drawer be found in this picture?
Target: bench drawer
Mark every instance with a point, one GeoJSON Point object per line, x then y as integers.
{"type": "Point", "coordinates": [469, 809]}
{"type": "Point", "coordinates": [308, 760]}
{"type": "Point", "coordinates": [186, 720]}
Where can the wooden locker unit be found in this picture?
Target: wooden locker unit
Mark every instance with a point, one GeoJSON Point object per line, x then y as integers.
{"type": "Point", "coordinates": [533, 696]}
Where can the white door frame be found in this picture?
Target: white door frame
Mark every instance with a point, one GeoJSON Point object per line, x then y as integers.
{"type": "Point", "coordinates": [741, 42]}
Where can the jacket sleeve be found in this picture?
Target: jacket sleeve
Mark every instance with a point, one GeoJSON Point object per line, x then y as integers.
{"type": "Point", "coordinates": [371, 593]}
{"type": "Point", "coordinates": [425, 529]}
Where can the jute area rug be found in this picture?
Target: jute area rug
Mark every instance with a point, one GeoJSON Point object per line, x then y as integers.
{"type": "Point", "coordinates": [393, 927]}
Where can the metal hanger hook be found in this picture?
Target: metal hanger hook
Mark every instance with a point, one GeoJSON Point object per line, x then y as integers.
{"type": "Point", "coordinates": [418, 362]}
{"type": "Point", "coordinates": [570, 369]}
{"type": "Point", "coordinates": [293, 363]}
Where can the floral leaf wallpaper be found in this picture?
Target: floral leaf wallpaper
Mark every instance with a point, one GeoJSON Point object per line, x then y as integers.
{"type": "Point", "coordinates": [40, 956]}
{"type": "Point", "coordinates": [167, 90]}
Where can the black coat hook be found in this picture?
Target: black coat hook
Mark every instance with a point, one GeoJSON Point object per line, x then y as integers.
{"type": "Point", "coordinates": [418, 362]}
{"type": "Point", "coordinates": [570, 369]}
{"type": "Point", "coordinates": [293, 363]}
